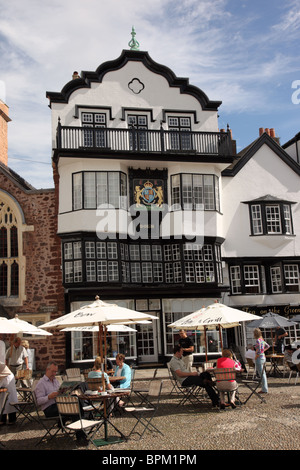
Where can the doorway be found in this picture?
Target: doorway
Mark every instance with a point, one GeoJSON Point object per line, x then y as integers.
{"type": "Point", "coordinates": [147, 347]}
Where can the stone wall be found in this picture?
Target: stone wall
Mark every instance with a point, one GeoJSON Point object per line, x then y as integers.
{"type": "Point", "coordinates": [43, 276]}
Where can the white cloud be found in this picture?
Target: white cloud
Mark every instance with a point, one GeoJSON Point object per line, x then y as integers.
{"type": "Point", "coordinates": [236, 52]}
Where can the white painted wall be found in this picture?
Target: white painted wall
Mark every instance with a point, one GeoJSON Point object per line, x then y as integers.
{"type": "Point", "coordinates": [113, 91]}
{"type": "Point", "coordinates": [294, 151]}
{"type": "Point", "coordinates": [265, 173]}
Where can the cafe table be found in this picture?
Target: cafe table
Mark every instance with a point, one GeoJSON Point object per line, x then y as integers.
{"type": "Point", "coordinates": [95, 398]}
{"type": "Point", "coordinates": [274, 360]}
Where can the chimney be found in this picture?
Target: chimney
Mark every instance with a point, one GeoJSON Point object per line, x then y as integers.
{"type": "Point", "coordinates": [75, 75]}
{"type": "Point", "coordinates": [270, 132]}
{"type": "Point", "coordinates": [4, 119]}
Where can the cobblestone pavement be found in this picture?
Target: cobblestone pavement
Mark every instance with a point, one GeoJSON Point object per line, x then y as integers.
{"type": "Point", "coordinates": [274, 425]}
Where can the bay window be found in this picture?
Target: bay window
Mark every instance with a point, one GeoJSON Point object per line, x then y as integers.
{"type": "Point", "coordinates": [195, 192]}
{"type": "Point", "coordinates": [92, 189]}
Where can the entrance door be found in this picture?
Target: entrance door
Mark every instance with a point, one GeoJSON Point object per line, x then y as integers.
{"type": "Point", "coordinates": [147, 341]}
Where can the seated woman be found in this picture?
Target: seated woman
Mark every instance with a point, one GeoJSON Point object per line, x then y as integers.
{"type": "Point", "coordinates": [226, 362]}
{"type": "Point", "coordinates": [97, 373]}
{"type": "Point", "coordinates": [122, 370]}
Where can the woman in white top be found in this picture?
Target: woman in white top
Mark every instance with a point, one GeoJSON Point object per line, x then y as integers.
{"type": "Point", "coordinates": [7, 380]}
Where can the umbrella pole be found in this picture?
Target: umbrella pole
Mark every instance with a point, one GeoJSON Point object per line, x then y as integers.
{"type": "Point", "coordinates": [272, 340]}
{"type": "Point", "coordinates": [205, 342]}
{"type": "Point", "coordinates": [98, 346]}
{"type": "Point", "coordinates": [101, 356]}
{"type": "Point", "coordinates": [105, 349]}
{"type": "Point", "coordinates": [220, 334]}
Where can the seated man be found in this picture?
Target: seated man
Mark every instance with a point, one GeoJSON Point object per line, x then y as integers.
{"type": "Point", "coordinates": [46, 391]}
{"type": "Point", "coordinates": [187, 378]}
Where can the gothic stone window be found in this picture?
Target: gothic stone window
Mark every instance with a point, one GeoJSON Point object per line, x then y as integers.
{"type": "Point", "coordinates": [9, 251]}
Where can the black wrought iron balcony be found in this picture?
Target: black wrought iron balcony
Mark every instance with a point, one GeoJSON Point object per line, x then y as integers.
{"type": "Point", "coordinates": [102, 139]}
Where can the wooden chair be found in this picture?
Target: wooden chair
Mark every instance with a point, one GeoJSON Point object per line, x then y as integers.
{"type": "Point", "coordinates": [225, 376]}
{"type": "Point", "coordinates": [94, 384]}
{"type": "Point", "coordinates": [71, 419]}
{"type": "Point", "coordinates": [74, 374]}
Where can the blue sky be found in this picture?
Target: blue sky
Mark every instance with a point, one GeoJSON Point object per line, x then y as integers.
{"type": "Point", "coordinates": [244, 53]}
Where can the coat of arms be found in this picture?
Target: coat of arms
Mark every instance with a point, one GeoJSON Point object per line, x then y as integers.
{"type": "Point", "coordinates": [148, 193]}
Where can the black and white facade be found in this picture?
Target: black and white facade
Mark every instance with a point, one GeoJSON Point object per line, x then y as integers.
{"type": "Point", "coordinates": [158, 214]}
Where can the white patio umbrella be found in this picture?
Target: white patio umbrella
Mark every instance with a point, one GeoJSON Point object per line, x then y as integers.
{"type": "Point", "coordinates": [7, 327]}
{"type": "Point", "coordinates": [214, 316]}
{"type": "Point", "coordinates": [26, 327]}
{"type": "Point", "coordinates": [90, 329]}
{"type": "Point", "coordinates": [100, 314]}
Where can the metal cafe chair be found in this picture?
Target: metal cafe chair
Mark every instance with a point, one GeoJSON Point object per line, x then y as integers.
{"type": "Point", "coordinates": [25, 408]}
{"type": "Point", "coordinates": [142, 392]}
{"type": "Point", "coordinates": [253, 385]}
{"type": "Point", "coordinates": [50, 425]}
{"type": "Point", "coordinates": [145, 414]}
{"type": "Point", "coordinates": [71, 419]}
{"type": "Point", "coordinates": [291, 371]}
{"type": "Point", "coordinates": [188, 393]}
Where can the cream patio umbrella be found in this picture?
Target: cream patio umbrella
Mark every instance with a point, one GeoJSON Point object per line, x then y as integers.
{"type": "Point", "coordinates": [27, 328]}
{"type": "Point", "coordinates": [100, 314]}
{"type": "Point", "coordinates": [213, 316]}
{"type": "Point", "coordinates": [94, 329]}
{"type": "Point", "coordinates": [91, 329]}
{"type": "Point", "coordinates": [7, 327]}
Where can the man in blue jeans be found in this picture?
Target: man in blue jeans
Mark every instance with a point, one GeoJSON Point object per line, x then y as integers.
{"type": "Point", "coordinates": [187, 378]}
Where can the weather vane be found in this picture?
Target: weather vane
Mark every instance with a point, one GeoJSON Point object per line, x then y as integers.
{"type": "Point", "coordinates": [133, 43]}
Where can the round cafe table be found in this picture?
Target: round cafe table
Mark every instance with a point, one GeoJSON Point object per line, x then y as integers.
{"type": "Point", "coordinates": [99, 397]}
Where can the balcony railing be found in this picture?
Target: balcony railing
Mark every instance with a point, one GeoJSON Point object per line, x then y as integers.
{"type": "Point", "coordinates": [143, 140]}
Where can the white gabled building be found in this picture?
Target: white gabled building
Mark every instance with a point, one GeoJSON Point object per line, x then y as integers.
{"type": "Point", "coordinates": [260, 195]}
{"type": "Point", "coordinates": [154, 204]}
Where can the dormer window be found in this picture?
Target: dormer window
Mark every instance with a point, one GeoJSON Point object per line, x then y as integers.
{"type": "Point", "coordinates": [270, 216]}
